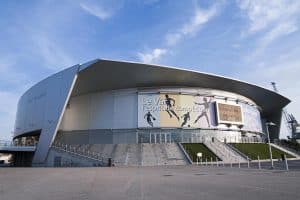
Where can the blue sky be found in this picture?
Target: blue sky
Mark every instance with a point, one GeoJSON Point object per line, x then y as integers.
{"type": "Point", "coordinates": [257, 41]}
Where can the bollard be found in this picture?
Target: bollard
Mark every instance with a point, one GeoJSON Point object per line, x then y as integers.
{"type": "Point", "coordinates": [205, 161]}
{"type": "Point", "coordinates": [211, 161]}
{"type": "Point", "coordinates": [248, 162]}
{"type": "Point", "coordinates": [217, 162]}
{"type": "Point", "coordinates": [286, 163]}
{"type": "Point", "coordinates": [259, 167]}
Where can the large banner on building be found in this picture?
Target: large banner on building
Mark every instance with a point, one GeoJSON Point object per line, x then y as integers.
{"type": "Point", "coordinates": [148, 110]}
{"type": "Point", "coordinates": [175, 110]}
{"type": "Point", "coordinates": [252, 119]}
{"type": "Point", "coordinates": [229, 113]}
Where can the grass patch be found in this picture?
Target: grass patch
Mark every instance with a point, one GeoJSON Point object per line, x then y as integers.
{"type": "Point", "coordinates": [253, 150]}
{"type": "Point", "coordinates": [193, 148]}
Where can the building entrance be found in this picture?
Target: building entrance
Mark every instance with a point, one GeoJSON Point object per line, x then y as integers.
{"type": "Point", "coordinates": [155, 137]}
{"type": "Point", "coordinates": [160, 138]}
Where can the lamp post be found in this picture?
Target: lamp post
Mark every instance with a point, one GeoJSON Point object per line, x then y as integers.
{"type": "Point", "coordinates": [268, 135]}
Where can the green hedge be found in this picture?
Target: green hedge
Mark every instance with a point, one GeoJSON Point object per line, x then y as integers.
{"type": "Point", "coordinates": [253, 150]}
{"type": "Point", "coordinates": [193, 148]}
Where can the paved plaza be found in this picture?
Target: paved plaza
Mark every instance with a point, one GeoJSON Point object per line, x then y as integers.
{"type": "Point", "coordinates": [166, 183]}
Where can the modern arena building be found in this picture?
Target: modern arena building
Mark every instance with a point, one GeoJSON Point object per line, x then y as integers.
{"type": "Point", "coordinates": [138, 114]}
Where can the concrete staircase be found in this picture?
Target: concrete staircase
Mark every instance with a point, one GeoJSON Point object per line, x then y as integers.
{"type": "Point", "coordinates": [163, 154]}
{"type": "Point", "coordinates": [73, 156]}
{"type": "Point", "coordinates": [133, 155]}
{"type": "Point", "coordinates": [118, 156]}
{"type": "Point", "coordinates": [175, 155]}
{"type": "Point", "coordinates": [128, 154]}
{"type": "Point", "coordinates": [225, 153]}
{"type": "Point", "coordinates": [148, 155]}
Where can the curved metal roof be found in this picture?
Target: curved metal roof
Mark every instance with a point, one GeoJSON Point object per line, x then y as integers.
{"type": "Point", "coordinates": [101, 75]}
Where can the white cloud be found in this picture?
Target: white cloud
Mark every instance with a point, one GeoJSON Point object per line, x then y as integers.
{"type": "Point", "coordinates": [152, 56]}
{"type": "Point", "coordinates": [190, 28]}
{"type": "Point", "coordinates": [101, 9]}
{"type": "Point", "coordinates": [268, 22]}
{"type": "Point", "coordinates": [96, 11]}
{"type": "Point", "coordinates": [284, 70]}
{"type": "Point", "coordinates": [173, 38]}
{"type": "Point", "coordinates": [278, 31]}
{"type": "Point", "coordinates": [53, 55]}
{"type": "Point", "coordinates": [14, 80]}
{"type": "Point", "coordinates": [200, 17]}
{"type": "Point", "coordinates": [276, 18]}
{"type": "Point", "coordinates": [265, 13]}
{"type": "Point", "coordinates": [10, 75]}
{"type": "Point", "coordinates": [271, 19]}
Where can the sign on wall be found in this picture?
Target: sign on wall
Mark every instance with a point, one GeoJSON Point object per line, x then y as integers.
{"type": "Point", "coordinates": [148, 110]}
{"type": "Point", "coordinates": [184, 110]}
{"type": "Point", "coordinates": [229, 113]}
{"type": "Point", "coordinates": [175, 110]}
{"type": "Point", "coordinates": [252, 119]}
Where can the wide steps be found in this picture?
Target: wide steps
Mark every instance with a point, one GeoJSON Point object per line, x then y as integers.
{"type": "Point", "coordinates": [144, 154]}
{"type": "Point", "coordinates": [225, 153]}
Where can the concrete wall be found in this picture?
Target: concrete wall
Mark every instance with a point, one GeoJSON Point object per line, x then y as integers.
{"type": "Point", "coordinates": [105, 110]}
{"type": "Point", "coordinates": [99, 136]}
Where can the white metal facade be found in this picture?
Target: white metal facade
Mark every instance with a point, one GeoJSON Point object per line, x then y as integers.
{"type": "Point", "coordinates": [96, 95]}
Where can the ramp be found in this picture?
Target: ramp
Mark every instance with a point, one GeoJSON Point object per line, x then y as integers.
{"type": "Point", "coordinates": [226, 154]}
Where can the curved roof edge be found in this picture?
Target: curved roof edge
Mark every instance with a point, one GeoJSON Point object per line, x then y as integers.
{"type": "Point", "coordinates": [100, 72]}
{"type": "Point", "coordinates": [47, 78]}
{"type": "Point", "coordinates": [91, 63]}
{"type": "Point", "coordinates": [104, 74]}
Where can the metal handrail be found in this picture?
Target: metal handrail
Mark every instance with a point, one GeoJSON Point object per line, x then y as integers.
{"type": "Point", "coordinates": [4, 143]}
{"type": "Point", "coordinates": [222, 150]}
{"type": "Point", "coordinates": [238, 151]}
{"type": "Point", "coordinates": [228, 151]}
{"type": "Point", "coordinates": [81, 152]}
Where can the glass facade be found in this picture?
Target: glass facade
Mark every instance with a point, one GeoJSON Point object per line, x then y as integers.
{"type": "Point", "coordinates": [130, 136]}
{"type": "Point", "coordinates": [26, 141]}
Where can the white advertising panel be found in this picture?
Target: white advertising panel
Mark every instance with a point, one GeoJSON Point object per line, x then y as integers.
{"type": "Point", "coordinates": [229, 113]}
{"type": "Point", "coordinates": [191, 111]}
{"type": "Point", "coordinates": [148, 110]}
{"type": "Point", "coordinates": [252, 118]}
{"type": "Point", "coordinates": [175, 110]}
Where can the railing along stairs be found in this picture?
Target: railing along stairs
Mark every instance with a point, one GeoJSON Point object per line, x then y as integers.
{"type": "Point", "coordinates": [82, 152]}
